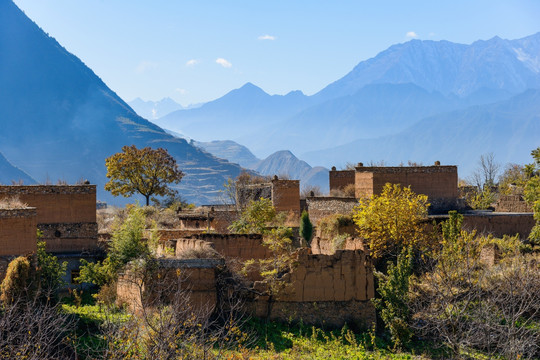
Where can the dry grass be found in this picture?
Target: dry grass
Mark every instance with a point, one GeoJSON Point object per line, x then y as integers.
{"type": "Point", "coordinates": [12, 203]}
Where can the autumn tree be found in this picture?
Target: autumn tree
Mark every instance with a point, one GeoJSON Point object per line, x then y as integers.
{"type": "Point", "coordinates": [145, 171]}
{"type": "Point", "coordinates": [392, 220]}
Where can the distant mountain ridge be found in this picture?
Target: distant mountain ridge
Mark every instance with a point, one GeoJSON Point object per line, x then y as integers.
{"type": "Point", "coordinates": [510, 129]}
{"type": "Point", "coordinates": [380, 98]}
{"type": "Point", "coordinates": [59, 120]}
{"type": "Point", "coordinates": [152, 110]}
{"type": "Point", "coordinates": [449, 68]}
{"type": "Point", "coordinates": [10, 174]}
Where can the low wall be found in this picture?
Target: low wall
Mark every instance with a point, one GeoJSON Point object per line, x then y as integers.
{"type": "Point", "coordinates": [499, 224]}
{"type": "Point", "coordinates": [326, 289]}
{"type": "Point", "coordinates": [328, 247]}
{"type": "Point", "coordinates": [18, 231]}
{"type": "Point", "coordinates": [320, 207]}
{"type": "Point", "coordinates": [197, 277]}
{"type": "Point", "coordinates": [512, 203]}
{"type": "Point", "coordinates": [238, 246]}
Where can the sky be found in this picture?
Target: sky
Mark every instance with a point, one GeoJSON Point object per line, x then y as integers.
{"type": "Point", "coordinates": [197, 51]}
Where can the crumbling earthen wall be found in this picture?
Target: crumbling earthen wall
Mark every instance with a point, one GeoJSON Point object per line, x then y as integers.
{"type": "Point", "coordinates": [18, 231]}
{"type": "Point", "coordinates": [512, 203]}
{"type": "Point", "coordinates": [329, 246]}
{"type": "Point", "coordinates": [339, 179]}
{"type": "Point", "coordinates": [437, 182]}
{"type": "Point", "coordinates": [326, 289]}
{"type": "Point", "coordinates": [197, 277]}
{"type": "Point", "coordinates": [500, 224]}
{"type": "Point", "coordinates": [320, 207]}
{"type": "Point", "coordinates": [237, 246]}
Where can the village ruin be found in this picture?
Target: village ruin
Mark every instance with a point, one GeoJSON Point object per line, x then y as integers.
{"type": "Point", "coordinates": [328, 286]}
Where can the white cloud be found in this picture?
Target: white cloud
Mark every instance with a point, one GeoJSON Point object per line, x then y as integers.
{"type": "Point", "coordinates": [266, 37]}
{"type": "Point", "coordinates": [411, 34]}
{"type": "Point", "coordinates": [181, 91]}
{"type": "Point", "coordinates": [145, 65]}
{"type": "Point", "coordinates": [192, 62]}
{"type": "Point", "coordinates": [223, 62]}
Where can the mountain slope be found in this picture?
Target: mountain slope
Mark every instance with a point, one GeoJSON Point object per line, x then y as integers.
{"type": "Point", "coordinates": [241, 115]}
{"type": "Point", "coordinates": [374, 110]}
{"type": "Point", "coordinates": [230, 150]}
{"type": "Point", "coordinates": [59, 120]}
{"type": "Point", "coordinates": [510, 129]}
{"type": "Point", "coordinates": [10, 173]}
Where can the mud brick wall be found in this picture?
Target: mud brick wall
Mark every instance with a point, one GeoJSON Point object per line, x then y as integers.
{"type": "Point", "coordinates": [500, 224]}
{"type": "Point", "coordinates": [320, 207]}
{"type": "Point", "coordinates": [286, 195]}
{"type": "Point", "coordinates": [341, 178]}
{"type": "Point", "coordinates": [57, 203]}
{"type": "Point", "coordinates": [172, 234]}
{"type": "Point", "coordinates": [327, 247]}
{"type": "Point", "coordinates": [18, 229]}
{"type": "Point", "coordinates": [221, 220]}
{"type": "Point", "coordinates": [196, 276]}
{"type": "Point", "coordinates": [70, 237]}
{"type": "Point", "coordinates": [326, 290]}
{"type": "Point", "coordinates": [512, 203]}
{"type": "Point", "coordinates": [437, 182]}
{"type": "Point", "coordinates": [238, 246]}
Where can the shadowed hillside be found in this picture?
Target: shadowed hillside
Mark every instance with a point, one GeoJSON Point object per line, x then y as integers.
{"type": "Point", "coordinates": [59, 120]}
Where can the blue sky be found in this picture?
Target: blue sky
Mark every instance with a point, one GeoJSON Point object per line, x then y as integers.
{"type": "Point", "coordinates": [196, 51]}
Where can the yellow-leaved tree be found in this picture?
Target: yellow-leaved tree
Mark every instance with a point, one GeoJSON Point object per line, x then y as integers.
{"type": "Point", "coordinates": [393, 220]}
{"type": "Point", "coordinates": [145, 171]}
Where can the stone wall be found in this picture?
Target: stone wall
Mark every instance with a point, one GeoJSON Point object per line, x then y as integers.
{"type": "Point", "coordinates": [320, 207]}
{"type": "Point", "coordinates": [18, 229]}
{"type": "Point", "coordinates": [499, 224]}
{"type": "Point", "coordinates": [340, 178]}
{"type": "Point", "coordinates": [70, 237]}
{"type": "Point", "coordinates": [57, 203]}
{"type": "Point", "coordinates": [437, 182]}
{"type": "Point", "coordinates": [512, 203]}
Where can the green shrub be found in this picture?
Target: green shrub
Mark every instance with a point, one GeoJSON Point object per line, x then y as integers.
{"type": "Point", "coordinates": [306, 227]}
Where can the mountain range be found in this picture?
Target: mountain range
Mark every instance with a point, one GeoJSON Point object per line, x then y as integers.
{"type": "Point", "coordinates": [366, 114]}
{"type": "Point", "coordinates": [420, 101]}
{"type": "Point", "coordinates": [60, 121]}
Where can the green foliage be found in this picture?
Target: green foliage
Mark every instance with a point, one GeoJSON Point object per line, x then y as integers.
{"type": "Point", "coordinates": [481, 200]}
{"type": "Point", "coordinates": [513, 179]}
{"type": "Point", "coordinates": [451, 228]}
{"type": "Point", "coordinates": [127, 244]}
{"type": "Point", "coordinates": [532, 194]}
{"type": "Point", "coordinates": [394, 295]}
{"type": "Point", "coordinates": [145, 171]}
{"type": "Point", "coordinates": [306, 227]}
{"type": "Point", "coordinates": [49, 271]}
{"type": "Point", "coordinates": [255, 218]}
{"type": "Point", "coordinates": [333, 225]}
{"type": "Point", "coordinates": [393, 220]}
{"type": "Point", "coordinates": [16, 284]}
